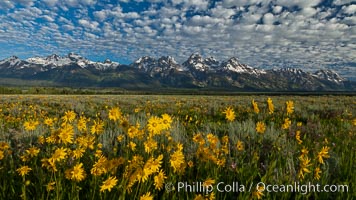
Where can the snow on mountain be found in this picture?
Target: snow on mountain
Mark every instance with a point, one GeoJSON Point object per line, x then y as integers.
{"type": "Point", "coordinates": [12, 61]}
{"type": "Point", "coordinates": [59, 61]}
{"type": "Point", "coordinates": [329, 75]}
{"type": "Point", "coordinates": [195, 68]}
{"type": "Point", "coordinates": [196, 62]}
{"type": "Point", "coordinates": [153, 66]}
{"type": "Point", "coordinates": [234, 65]}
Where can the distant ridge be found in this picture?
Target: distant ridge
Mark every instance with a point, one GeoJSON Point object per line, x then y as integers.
{"type": "Point", "coordinates": [146, 72]}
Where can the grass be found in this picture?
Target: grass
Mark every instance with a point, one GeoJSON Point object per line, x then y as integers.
{"type": "Point", "coordinates": [176, 147]}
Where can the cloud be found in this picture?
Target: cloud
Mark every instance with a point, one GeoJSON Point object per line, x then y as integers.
{"type": "Point", "coordinates": [299, 3]}
{"type": "Point", "coordinates": [342, 2]}
{"type": "Point", "coordinates": [93, 25]}
{"type": "Point", "coordinates": [268, 18]}
{"type": "Point", "coordinates": [351, 9]}
{"type": "Point", "coordinates": [25, 2]}
{"type": "Point", "coordinates": [50, 3]}
{"type": "Point", "coordinates": [6, 4]}
{"type": "Point", "coordinates": [48, 18]}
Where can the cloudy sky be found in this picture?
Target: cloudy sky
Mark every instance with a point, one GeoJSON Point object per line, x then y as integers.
{"type": "Point", "coordinates": [307, 34]}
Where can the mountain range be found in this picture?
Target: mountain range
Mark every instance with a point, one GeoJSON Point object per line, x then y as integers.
{"type": "Point", "coordinates": [150, 73]}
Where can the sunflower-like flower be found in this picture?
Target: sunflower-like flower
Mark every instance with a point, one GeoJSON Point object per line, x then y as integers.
{"type": "Point", "coordinates": [304, 166]}
{"type": "Point", "coordinates": [108, 184]}
{"type": "Point", "coordinates": [146, 196]}
{"type": "Point", "coordinates": [270, 105]}
{"type": "Point", "coordinates": [115, 114]}
{"type": "Point", "coordinates": [324, 153]}
{"type": "Point", "coordinates": [289, 107]}
{"type": "Point", "coordinates": [154, 125]}
{"type": "Point", "coordinates": [166, 121]}
{"type": "Point", "coordinates": [260, 127]}
{"type": "Point", "coordinates": [24, 170]}
{"type": "Point", "coordinates": [31, 125]}
{"type": "Point", "coordinates": [177, 161]}
{"type": "Point", "coordinates": [287, 123]}
{"type": "Point", "coordinates": [317, 173]}
{"type": "Point", "coordinates": [255, 106]}
{"type": "Point", "coordinates": [240, 145]}
{"type": "Point", "coordinates": [229, 114]}
{"type": "Point", "coordinates": [77, 173]}
{"type": "Point", "coordinates": [97, 127]}
{"type": "Point", "coordinates": [159, 180]}
{"type": "Point", "coordinates": [69, 116]}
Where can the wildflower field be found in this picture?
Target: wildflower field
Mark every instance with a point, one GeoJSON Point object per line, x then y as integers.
{"type": "Point", "coordinates": [177, 147]}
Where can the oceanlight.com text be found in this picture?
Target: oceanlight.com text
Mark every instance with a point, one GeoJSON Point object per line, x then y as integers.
{"type": "Point", "coordinates": [301, 188]}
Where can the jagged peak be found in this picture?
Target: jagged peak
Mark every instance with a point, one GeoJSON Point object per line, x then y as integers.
{"type": "Point", "coordinates": [144, 59]}
{"type": "Point", "coordinates": [11, 58]}
{"type": "Point", "coordinates": [195, 57]}
{"type": "Point", "coordinates": [168, 60]}
{"type": "Point", "coordinates": [234, 59]}
{"type": "Point", "coordinates": [328, 74]}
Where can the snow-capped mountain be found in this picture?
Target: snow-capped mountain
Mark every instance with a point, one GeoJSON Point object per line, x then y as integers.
{"type": "Point", "coordinates": [153, 66]}
{"type": "Point", "coordinates": [147, 72]}
{"type": "Point", "coordinates": [329, 75]}
{"type": "Point", "coordinates": [12, 62]}
{"type": "Point", "coordinates": [234, 65]}
{"type": "Point", "coordinates": [197, 63]}
{"type": "Point", "coordinates": [54, 61]}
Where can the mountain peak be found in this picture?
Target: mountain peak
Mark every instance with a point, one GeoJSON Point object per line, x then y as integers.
{"type": "Point", "coordinates": [328, 74]}
{"type": "Point", "coordinates": [11, 61]}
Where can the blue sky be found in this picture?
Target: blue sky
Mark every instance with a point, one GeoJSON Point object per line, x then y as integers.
{"type": "Point", "coordinates": [308, 34]}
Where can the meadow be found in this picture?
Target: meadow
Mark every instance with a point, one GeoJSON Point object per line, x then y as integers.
{"type": "Point", "coordinates": [177, 147]}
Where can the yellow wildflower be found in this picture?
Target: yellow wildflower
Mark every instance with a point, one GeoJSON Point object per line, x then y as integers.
{"type": "Point", "coordinates": [258, 193]}
{"type": "Point", "coordinates": [150, 145]}
{"type": "Point", "coordinates": [66, 134]}
{"type": "Point", "coordinates": [108, 184]}
{"type": "Point", "coordinates": [229, 114]}
{"type": "Point", "coordinates": [289, 107]}
{"type": "Point", "coordinates": [132, 146]}
{"type": "Point", "coordinates": [115, 114]}
{"type": "Point", "coordinates": [317, 173]}
{"type": "Point", "coordinates": [287, 123]}
{"type": "Point", "coordinates": [97, 127]}
{"type": "Point", "coordinates": [240, 145]}
{"type": "Point", "coordinates": [23, 170]}
{"type": "Point", "coordinates": [50, 186]}
{"type": "Point", "coordinates": [166, 121]}
{"type": "Point", "coordinates": [255, 106]}
{"type": "Point", "coordinates": [208, 182]}
{"type": "Point", "coordinates": [31, 125]}
{"type": "Point", "coordinates": [159, 180]}
{"type": "Point", "coordinates": [146, 196]}
{"type": "Point", "coordinates": [154, 125]}
{"type": "Point", "coordinates": [33, 151]}
{"type": "Point", "coordinates": [69, 116]}
{"type": "Point", "coordinates": [260, 127]}
{"type": "Point", "coordinates": [82, 124]}
{"type": "Point", "coordinates": [304, 164]}
{"type": "Point", "coordinates": [270, 106]}
{"type": "Point", "coordinates": [177, 161]}
{"type": "Point", "coordinates": [297, 137]}
{"type": "Point", "coordinates": [59, 154]}
{"type": "Point", "coordinates": [49, 121]}
{"type": "Point", "coordinates": [76, 173]}
{"type": "Point", "coordinates": [324, 153]}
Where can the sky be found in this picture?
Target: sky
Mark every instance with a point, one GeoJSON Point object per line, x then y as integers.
{"type": "Point", "coordinates": [306, 34]}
